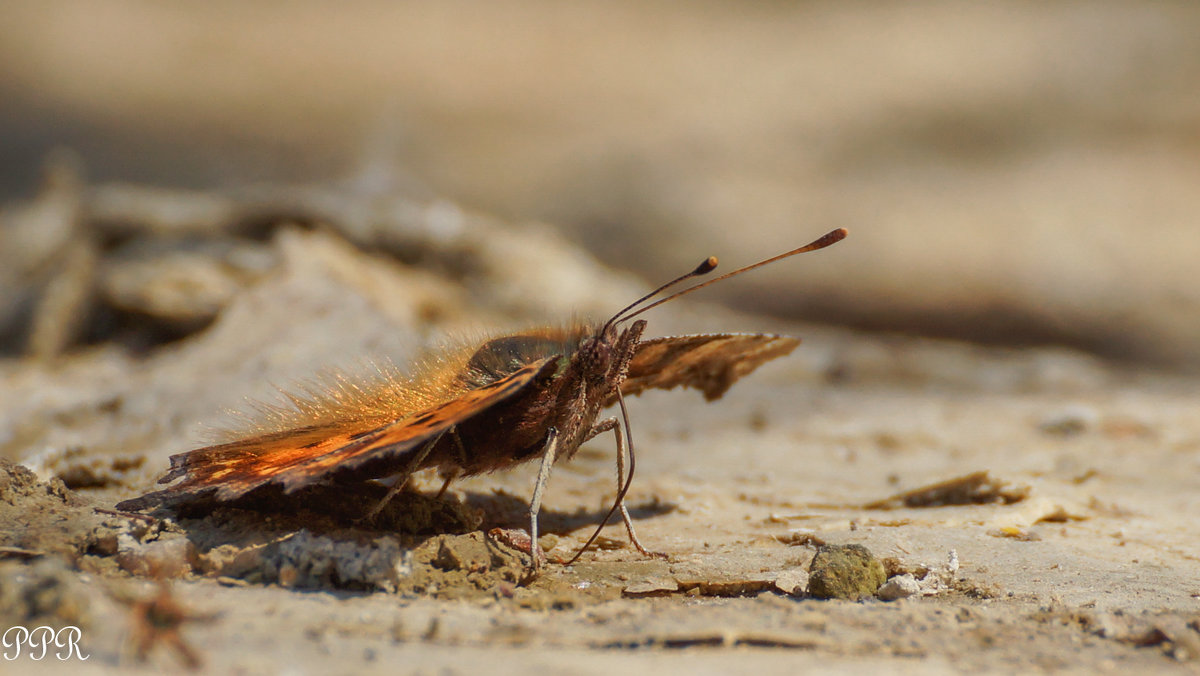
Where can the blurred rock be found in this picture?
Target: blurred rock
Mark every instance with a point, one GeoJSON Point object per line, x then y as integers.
{"type": "Point", "coordinates": [183, 282]}
{"type": "Point", "coordinates": [62, 311]}
{"type": "Point", "coordinates": [1070, 421]}
{"type": "Point", "coordinates": [125, 209]}
{"type": "Point", "coordinates": [42, 516]}
{"type": "Point", "coordinates": [165, 558]}
{"type": "Point", "coordinates": [77, 468]}
{"type": "Point", "coordinates": [308, 561]}
{"type": "Point", "coordinates": [47, 264]}
{"type": "Point", "coordinates": [792, 582]}
{"type": "Point", "coordinates": [655, 586]}
{"type": "Point", "coordinates": [44, 592]}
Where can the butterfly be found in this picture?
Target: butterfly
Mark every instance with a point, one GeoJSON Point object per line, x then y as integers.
{"type": "Point", "coordinates": [515, 398]}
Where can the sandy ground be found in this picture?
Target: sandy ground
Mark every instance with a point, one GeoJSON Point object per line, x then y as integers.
{"type": "Point", "coordinates": [1090, 564]}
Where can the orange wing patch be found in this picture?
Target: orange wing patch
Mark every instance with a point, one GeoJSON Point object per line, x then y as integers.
{"type": "Point", "coordinates": [301, 457]}
{"type": "Point", "coordinates": [710, 363]}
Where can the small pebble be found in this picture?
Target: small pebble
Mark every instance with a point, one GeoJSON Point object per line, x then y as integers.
{"type": "Point", "coordinates": [899, 587]}
{"type": "Point", "coordinates": [792, 582]}
{"type": "Point", "coordinates": [844, 572]}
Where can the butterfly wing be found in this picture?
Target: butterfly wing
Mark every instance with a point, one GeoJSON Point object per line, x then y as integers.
{"type": "Point", "coordinates": [710, 362]}
{"type": "Point", "coordinates": [297, 458]}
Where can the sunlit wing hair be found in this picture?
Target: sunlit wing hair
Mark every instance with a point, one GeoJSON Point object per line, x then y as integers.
{"type": "Point", "coordinates": [364, 397]}
{"type": "Point", "coordinates": [376, 393]}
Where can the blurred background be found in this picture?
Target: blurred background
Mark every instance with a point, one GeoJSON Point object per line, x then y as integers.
{"type": "Point", "coordinates": [1014, 173]}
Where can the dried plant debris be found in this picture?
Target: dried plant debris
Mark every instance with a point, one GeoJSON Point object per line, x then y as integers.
{"type": "Point", "coordinates": [800, 537]}
{"type": "Point", "coordinates": [1175, 636]}
{"type": "Point", "coordinates": [19, 553]}
{"type": "Point", "coordinates": [905, 580]}
{"type": "Point", "coordinates": [723, 639]}
{"type": "Point", "coordinates": [977, 488]}
{"type": "Point", "coordinates": [893, 566]}
{"type": "Point", "coordinates": [1015, 533]}
{"type": "Point", "coordinates": [159, 619]}
{"type": "Point", "coordinates": [1070, 421]}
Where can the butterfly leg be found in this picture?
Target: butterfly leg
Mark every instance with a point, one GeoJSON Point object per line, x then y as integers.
{"type": "Point", "coordinates": [461, 457]}
{"type": "Point", "coordinates": [447, 478]}
{"type": "Point", "coordinates": [615, 425]}
{"type": "Point", "coordinates": [413, 466]}
{"type": "Point", "coordinates": [549, 454]}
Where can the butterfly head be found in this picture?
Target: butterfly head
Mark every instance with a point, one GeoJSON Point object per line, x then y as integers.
{"type": "Point", "coordinates": [606, 352]}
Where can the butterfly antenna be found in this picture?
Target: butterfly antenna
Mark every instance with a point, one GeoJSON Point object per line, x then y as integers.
{"type": "Point", "coordinates": [708, 265]}
{"type": "Point", "coordinates": [624, 487]}
{"type": "Point", "coordinates": [824, 241]}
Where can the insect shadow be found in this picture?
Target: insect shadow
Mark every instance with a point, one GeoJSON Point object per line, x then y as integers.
{"type": "Point", "coordinates": [509, 510]}
{"type": "Point", "coordinates": [332, 508]}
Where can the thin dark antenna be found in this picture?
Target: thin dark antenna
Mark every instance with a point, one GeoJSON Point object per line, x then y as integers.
{"type": "Point", "coordinates": [824, 241]}
{"type": "Point", "coordinates": [708, 265]}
